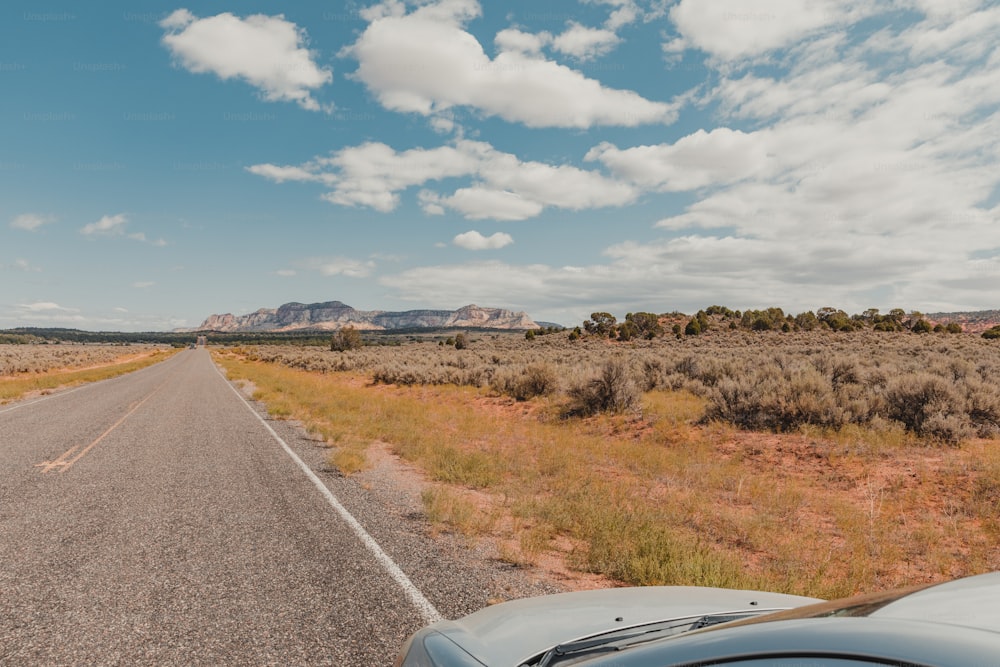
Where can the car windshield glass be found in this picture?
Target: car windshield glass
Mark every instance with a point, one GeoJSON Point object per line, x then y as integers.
{"type": "Point", "coordinates": [862, 605]}
{"type": "Point", "coordinates": [569, 653]}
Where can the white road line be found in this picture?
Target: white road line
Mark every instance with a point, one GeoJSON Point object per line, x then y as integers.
{"type": "Point", "coordinates": [44, 398]}
{"type": "Point", "coordinates": [427, 610]}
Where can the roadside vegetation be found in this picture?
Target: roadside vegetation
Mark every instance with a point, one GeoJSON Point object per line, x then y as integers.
{"type": "Point", "coordinates": [26, 368]}
{"type": "Point", "coordinates": [820, 462]}
{"type": "Point", "coordinates": [939, 387]}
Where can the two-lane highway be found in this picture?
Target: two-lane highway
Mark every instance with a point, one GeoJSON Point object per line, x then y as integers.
{"type": "Point", "coordinates": [157, 519]}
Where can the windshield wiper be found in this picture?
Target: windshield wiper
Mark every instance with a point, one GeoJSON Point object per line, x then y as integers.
{"type": "Point", "coordinates": [618, 640]}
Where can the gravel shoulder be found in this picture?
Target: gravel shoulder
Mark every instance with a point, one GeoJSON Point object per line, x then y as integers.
{"type": "Point", "coordinates": [456, 574]}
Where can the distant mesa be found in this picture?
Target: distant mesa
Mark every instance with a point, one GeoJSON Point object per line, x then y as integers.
{"type": "Point", "coordinates": [972, 321]}
{"type": "Point", "coordinates": [334, 315]}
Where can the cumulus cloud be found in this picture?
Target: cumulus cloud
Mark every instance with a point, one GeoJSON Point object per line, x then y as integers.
{"type": "Point", "coordinates": [735, 29]}
{"type": "Point", "coordinates": [268, 52]}
{"type": "Point", "coordinates": [869, 174]}
{"type": "Point", "coordinates": [577, 41]}
{"type": "Point", "coordinates": [502, 186]}
{"type": "Point", "coordinates": [473, 240]}
{"type": "Point", "coordinates": [339, 266]}
{"type": "Point", "coordinates": [694, 161]}
{"type": "Point", "coordinates": [425, 62]}
{"type": "Point", "coordinates": [843, 161]}
{"type": "Point", "coordinates": [30, 221]}
{"type": "Point", "coordinates": [862, 175]}
{"type": "Point", "coordinates": [115, 225]}
{"type": "Point", "coordinates": [512, 39]}
{"type": "Point", "coordinates": [853, 145]}
{"type": "Point", "coordinates": [585, 43]}
{"type": "Point", "coordinates": [108, 225]}
{"type": "Point", "coordinates": [478, 203]}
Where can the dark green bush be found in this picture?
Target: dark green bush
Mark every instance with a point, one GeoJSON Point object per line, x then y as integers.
{"type": "Point", "coordinates": [532, 381]}
{"type": "Point", "coordinates": [346, 339]}
{"type": "Point", "coordinates": [926, 404]}
{"type": "Point", "coordinates": [612, 390]}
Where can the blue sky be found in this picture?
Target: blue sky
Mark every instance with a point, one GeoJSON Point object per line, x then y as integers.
{"type": "Point", "coordinates": [164, 163]}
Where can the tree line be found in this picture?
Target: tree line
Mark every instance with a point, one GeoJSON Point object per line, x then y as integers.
{"type": "Point", "coordinates": [645, 325]}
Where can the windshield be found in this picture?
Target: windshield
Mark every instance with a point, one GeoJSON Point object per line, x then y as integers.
{"type": "Point", "coordinates": [573, 652]}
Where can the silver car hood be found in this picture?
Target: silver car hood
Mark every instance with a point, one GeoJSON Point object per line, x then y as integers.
{"type": "Point", "coordinates": [971, 602]}
{"type": "Point", "coordinates": [506, 634]}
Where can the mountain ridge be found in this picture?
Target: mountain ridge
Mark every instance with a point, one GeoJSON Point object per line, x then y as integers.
{"type": "Point", "coordinates": [334, 315]}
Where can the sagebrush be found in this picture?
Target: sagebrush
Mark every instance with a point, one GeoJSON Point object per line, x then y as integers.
{"type": "Point", "coordinates": [938, 386]}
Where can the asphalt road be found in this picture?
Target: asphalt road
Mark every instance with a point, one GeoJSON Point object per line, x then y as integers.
{"type": "Point", "coordinates": [158, 518]}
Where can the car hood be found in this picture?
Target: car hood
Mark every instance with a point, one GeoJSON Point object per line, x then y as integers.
{"type": "Point", "coordinates": [506, 634]}
{"type": "Point", "coordinates": [970, 602]}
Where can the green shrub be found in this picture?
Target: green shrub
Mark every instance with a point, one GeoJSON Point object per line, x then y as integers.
{"type": "Point", "coordinates": [771, 398]}
{"type": "Point", "coordinates": [346, 339]}
{"type": "Point", "coordinates": [535, 380]}
{"type": "Point", "coordinates": [925, 404]}
{"type": "Point", "coordinates": [612, 390]}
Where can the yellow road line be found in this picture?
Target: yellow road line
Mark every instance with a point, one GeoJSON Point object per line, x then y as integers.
{"type": "Point", "coordinates": [64, 462]}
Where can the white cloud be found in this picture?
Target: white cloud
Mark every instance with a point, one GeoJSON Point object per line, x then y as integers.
{"type": "Point", "coordinates": [47, 313]}
{"type": "Point", "coordinates": [142, 238]}
{"type": "Point", "coordinates": [178, 20]}
{"type": "Point", "coordinates": [478, 203]}
{"type": "Point", "coordinates": [585, 43]}
{"type": "Point", "coordinates": [473, 240]}
{"type": "Point", "coordinates": [736, 29]}
{"type": "Point", "coordinates": [373, 174]}
{"type": "Point", "coordinates": [862, 175]}
{"type": "Point", "coordinates": [22, 265]}
{"type": "Point", "coordinates": [425, 62]}
{"type": "Point", "coordinates": [30, 221]}
{"type": "Point", "coordinates": [512, 39]}
{"type": "Point", "coordinates": [339, 266]}
{"type": "Point", "coordinates": [45, 307]}
{"type": "Point", "coordinates": [734, 271]}
{"type": "Point", "coordinates": [143, 284]}
{"type": "Point", "coordinates": [282, 174]}
{"type": "Point", "coordinates": [695, 161]}
{"type": "Point", "coordinates": [114, 225]}
{"type": "Point", "coordinates": [963, 37]}
{"type": "Point", "coordinates": [503, 187]}
{"type": "Point", "coordinates": [267, 52]}
{"type": "Point", "coordinates": [854, 144]}
{"type": "Point", "coordinates": [108, 225]}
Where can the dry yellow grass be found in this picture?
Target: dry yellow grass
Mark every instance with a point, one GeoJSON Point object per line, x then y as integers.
{"type": "Point", "coordinates": [657, 499]}
{"type": "Point", "coordinates": [13, 388]}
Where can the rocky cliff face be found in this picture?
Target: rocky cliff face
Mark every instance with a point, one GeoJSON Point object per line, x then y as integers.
{"type": "Point", "coordinates": [334, 315]}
